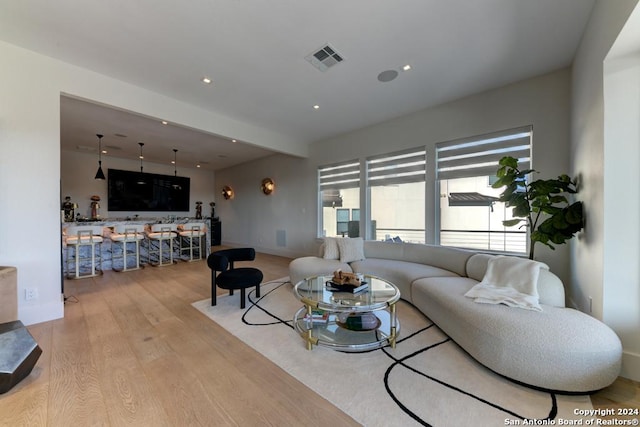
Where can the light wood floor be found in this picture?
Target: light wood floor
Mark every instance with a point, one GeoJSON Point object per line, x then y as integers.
{"type": "Point", "coordinates": [131, 350]}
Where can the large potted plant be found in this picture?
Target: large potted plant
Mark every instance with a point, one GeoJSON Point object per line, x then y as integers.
{"type": "Point", "coordinates": [543, 205]}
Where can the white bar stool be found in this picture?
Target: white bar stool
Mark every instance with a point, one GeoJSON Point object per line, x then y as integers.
{"type": "Point", "coordinates": [161, 234]}
{"type": "Point", "coordinates": [88, 237]}
{"type": "Point", "coordinates": [190, 233]}
{"type": "Point", "coordinates": [127, 234]}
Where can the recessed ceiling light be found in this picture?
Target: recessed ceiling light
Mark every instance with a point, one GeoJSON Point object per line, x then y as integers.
{"type": "Point", "coordinates": [198, 165]}
{"type": "Point", "coordinates": [406, 67]}
{"type": "Point", "coordinates": [233, 140]}
{"type": "Point", "coordinates": [104, 151]}
{"type": "Point", "coordinates": [164, 122]}
{"type": "Point", "coordinates": [206, 80]}
{"type": "Point", "coordinates": [315, 107]}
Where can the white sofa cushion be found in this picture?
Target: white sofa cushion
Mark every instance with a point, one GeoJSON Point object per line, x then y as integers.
{"type": "Point", "coordinates": [351, 249]}
{"type": "Point", "coordinates": [330, 248]}
{"type": "Point", "coordinates": [451, 259]}
{"type": "Point", "coordinates": [400, 273]}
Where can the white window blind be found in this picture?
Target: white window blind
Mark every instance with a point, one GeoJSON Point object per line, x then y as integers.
{"type": "Point", "coordinates": [397, 168]}
{"type": "Point", "coordinates": [479, 155]}
{"type": "Point", "coordinates": [339, 176]}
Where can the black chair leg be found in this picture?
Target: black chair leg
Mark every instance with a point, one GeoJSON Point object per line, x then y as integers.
{"type": "Point", "coordinates": [258, 290]}
{"type": "Point", "coordinates": [213, 288]}
{"type": "Point", "coordinates": [242, 298]}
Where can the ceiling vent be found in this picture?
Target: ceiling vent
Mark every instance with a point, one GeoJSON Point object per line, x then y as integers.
{"type": "Point", "coordinates": [324, 58]}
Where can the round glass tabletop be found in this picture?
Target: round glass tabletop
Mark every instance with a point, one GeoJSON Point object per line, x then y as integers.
{"type": "Point", "coordinates": [316, 291]}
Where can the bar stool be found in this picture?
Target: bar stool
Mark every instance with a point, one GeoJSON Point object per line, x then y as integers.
{"type": "Point", "coordinates": [89, 237]}
{"type": "Point", "coordinates": [191, 233]}
{"type": "Point", "coordinates": [161, 234]}
{"type": "Point", "coordinates": [127, 234]}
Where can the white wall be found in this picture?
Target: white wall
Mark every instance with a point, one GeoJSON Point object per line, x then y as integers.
{"type": "Point", "coordinates": [254, 219]}
{"type": "Point", "coordinates": [30, 89]}
{"type": "Point", "coordinates": [542, 102]}
{"type": "Point", "coordinates": [78, 170]}
{"type": "Point", "coordinates": [621, 275]}
{"type": "Point", "coordinates": [621, 278]}
{"type": "Point", "coordinates": [605, 151]}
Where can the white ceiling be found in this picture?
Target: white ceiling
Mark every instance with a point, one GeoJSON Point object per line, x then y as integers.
{"type": "Point", "coordinates": [123, 130]}
{"type": "Point", "coordinates": [254, 51]}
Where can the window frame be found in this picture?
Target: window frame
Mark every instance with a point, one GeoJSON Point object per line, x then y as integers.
{"type": "Point", "coordinates": [396, 168]}
{"type": "Point", "coordinates": [335, 176]}
{"type": "Point", "coordinates": [478, 156]}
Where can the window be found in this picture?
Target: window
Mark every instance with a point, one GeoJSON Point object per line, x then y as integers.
{"type": "Point", "coordinates": [396, 185]}
{"type": "Point", "coordinates": [339, 192]}
{"type": "Point", "coordinates": [470, 215]}
{"type": "Point", "coordinates": [342, 221]}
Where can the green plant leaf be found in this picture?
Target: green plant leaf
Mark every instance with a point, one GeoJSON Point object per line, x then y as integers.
{"type": "Point", "coordinates": [559, 222]}
{"type": "Point", "coordinates": [574, 214]}
{"type": "Point", "coordinates": [509, 162]}
{"type": "Point", "coordinates": [521, 210]}
{"type": "Point", "coordinates": [511, 222]}
{"type": "Point", "coordinates": [558, 199]}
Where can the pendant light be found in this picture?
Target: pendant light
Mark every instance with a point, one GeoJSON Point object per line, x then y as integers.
{"type": "Point", "coordinates": [175, 164]}
{"type": "Point", "coordinates": [175, 185]}
{"type": "Point", "coordinates": [100, 174]}
{"type": "Point", "coordinates": [141, 178]}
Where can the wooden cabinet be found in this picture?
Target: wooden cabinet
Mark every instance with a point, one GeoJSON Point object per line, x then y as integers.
{"type": "Point", "coordinates": [8, 294]}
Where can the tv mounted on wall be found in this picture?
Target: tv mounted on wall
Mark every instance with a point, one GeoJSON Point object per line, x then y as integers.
{"type": "Point", "coordinates": [134, 191]}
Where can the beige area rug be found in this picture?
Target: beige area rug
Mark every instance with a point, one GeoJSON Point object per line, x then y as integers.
{"type": "Point", "coordinates": [426, 380]}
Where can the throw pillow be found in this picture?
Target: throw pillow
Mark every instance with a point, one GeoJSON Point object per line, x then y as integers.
{"type": "Point", "coordinates": [351, 249]}
{"type": "Point", "coordinates": [331, 250]}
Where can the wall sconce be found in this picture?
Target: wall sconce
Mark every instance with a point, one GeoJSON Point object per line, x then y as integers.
{"type": "Point", "coordinates": [268, 186]}
{"type": "Point", "coordinates": [227, 192]}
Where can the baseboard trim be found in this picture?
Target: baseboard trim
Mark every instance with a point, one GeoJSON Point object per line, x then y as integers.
{"type": "Point", "coordinates": [630, 366]}
{"type": "Point", "coordinates": [270, 251]}
{"type": "Point", "coordinates": [32, 314]}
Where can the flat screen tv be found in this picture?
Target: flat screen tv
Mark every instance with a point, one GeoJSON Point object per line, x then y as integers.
{"type": "Point", "coordinates": [133, 191]}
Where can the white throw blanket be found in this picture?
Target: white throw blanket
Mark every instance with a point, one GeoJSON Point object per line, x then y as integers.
{"type": "Point", "coordinates": [509, 280]}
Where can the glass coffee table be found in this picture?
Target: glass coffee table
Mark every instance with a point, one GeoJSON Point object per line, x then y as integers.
{"type": "Point", "coordinates": [352, 322]}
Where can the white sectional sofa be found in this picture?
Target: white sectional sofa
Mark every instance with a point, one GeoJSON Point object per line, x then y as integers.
{"type": "Point", "coordinates": [558, 349]}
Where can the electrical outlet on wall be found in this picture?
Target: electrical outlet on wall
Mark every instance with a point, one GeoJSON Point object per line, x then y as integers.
{"type": "Point", "coordinates": [30, 294]}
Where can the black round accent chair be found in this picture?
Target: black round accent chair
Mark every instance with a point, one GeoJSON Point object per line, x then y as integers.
{"type": "Point", "coordinates": [233, 278]}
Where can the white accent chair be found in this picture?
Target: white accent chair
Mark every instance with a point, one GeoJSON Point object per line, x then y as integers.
{"type": "Point", "coordinates": [126, 235]}
{"type": "Point", "coordinates": [77, 238]}
{"type": "Point", "coordinates": [158, 236]}
{"type": "Point", "coordinates": [190, 234]}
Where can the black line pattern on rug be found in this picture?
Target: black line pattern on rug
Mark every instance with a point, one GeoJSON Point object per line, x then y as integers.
{"type": "Point", "coordinates": [553, 412]}
{"type": "Point", "coordinates": [255, 303]}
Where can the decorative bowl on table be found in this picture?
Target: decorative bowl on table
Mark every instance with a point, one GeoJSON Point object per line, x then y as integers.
{"type": "Point", "coordinates": [366, 321]}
